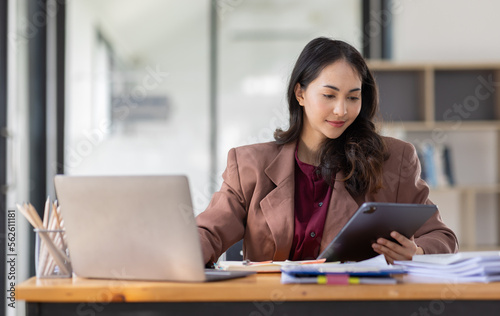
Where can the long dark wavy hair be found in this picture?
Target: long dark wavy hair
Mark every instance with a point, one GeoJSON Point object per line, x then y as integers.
{"type": "Point", "coordinates": [360, 151]}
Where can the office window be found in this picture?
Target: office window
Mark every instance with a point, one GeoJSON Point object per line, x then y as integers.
{"type": "Point", "coordinates": [259, 42]}
{"type": "Point", "coordinates": [137, 98]}
{"type": "Point", "coordinates": [139, 80]}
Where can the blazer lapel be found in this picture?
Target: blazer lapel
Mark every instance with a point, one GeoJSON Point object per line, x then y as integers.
{"type": "Point", "coordinates": [278, 205]}
{"type": "Point", "coordinates": [342, 207]}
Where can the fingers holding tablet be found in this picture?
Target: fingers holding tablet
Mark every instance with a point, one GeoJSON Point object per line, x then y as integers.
{"type": "Point", "coordinates": [403, 249]}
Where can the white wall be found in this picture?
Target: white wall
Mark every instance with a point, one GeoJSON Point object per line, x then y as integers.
{"type": "Point", "coordinates": [80, 42]}
{"type": "Point", "coordinates": [446, 30]}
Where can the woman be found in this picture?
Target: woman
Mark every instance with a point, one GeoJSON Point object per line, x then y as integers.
{"type": "Point", "coordinates": [289, 198]}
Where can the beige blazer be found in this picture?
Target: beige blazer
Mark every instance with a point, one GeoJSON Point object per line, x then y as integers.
{"type": "Point", "coordinates": [256, 203]}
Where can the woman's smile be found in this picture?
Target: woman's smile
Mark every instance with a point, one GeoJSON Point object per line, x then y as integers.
{"type": "Point", "coordinates": [336, 123]}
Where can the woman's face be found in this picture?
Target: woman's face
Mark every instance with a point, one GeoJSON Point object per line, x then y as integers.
{"type": "Point", "coordinates": [331, 103]}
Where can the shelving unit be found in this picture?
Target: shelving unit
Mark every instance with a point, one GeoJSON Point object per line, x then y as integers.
{"type": "Point", "coordinates": [457, 105]}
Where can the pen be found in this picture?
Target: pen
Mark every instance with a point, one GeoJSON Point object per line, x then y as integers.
{"type": "Point", "coordinates": [249, 263]}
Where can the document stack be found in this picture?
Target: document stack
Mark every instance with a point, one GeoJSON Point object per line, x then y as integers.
{"type": "Point", "coordinates": [462, 267]}
{"type": "Point", "coordinates": [371, 271]}
{"type": "Point", "coordinates": [261, 266]}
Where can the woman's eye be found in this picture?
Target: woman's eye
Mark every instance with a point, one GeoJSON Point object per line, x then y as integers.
{"type": "Point", "coordinates": [329, 96]}
{"type": "Point", "coordinates": [353, 98]}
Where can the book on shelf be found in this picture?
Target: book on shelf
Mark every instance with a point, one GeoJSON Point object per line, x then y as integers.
{"type": "Point", "coordinates": [436, 164]}
{"type": "Point", "coordinates": [448, 166]}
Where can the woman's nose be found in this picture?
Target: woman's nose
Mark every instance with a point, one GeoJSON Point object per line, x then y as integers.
{"type": "Point", "coordinates": [340, 108]}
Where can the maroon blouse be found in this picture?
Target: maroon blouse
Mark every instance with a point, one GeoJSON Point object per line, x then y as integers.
{"type": "Point", "coordinates": [312, 197]}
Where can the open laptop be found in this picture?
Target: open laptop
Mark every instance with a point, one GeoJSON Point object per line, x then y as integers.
{"type": "Point", "coordinates": [133, 227]}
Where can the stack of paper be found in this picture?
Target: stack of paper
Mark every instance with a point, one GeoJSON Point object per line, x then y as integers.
{"type": "Point", "coordinates": [371, 271]}
{"type": "Point", "coordinates": [261, 266]}
{"type": "Point", "coordinates": [474, 266]}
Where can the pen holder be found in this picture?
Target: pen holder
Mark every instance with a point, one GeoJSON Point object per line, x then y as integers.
{"type": "Point", "coordinates": [51, 254]}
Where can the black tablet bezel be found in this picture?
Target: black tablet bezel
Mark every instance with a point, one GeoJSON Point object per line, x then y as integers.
{"type": "Point", "coordinates": [374, 220]}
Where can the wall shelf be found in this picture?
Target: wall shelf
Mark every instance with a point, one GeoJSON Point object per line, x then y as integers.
{"type": "Point", "coordinates": [457, 105]}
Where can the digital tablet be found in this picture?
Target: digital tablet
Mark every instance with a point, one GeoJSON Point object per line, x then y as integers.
{"type": "Point", "coordinates": [371, 221]}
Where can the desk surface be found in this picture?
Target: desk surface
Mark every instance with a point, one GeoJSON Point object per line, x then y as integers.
{"type": "Point", "coordinates": [259, 287]}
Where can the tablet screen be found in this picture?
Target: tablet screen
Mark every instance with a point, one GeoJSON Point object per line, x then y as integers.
{"type": "Point", "coordinates": [374, 220]}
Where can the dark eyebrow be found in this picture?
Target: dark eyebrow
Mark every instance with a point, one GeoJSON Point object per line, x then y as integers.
{"type": "Point", "coordinates": [337, 89]}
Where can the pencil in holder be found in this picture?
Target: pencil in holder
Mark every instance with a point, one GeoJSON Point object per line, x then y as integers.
{"type": "Point", "coordinates": [51, 254]}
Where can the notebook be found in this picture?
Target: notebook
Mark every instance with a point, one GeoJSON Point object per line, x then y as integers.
{"type": "Point", "coordinates": [133, 228]}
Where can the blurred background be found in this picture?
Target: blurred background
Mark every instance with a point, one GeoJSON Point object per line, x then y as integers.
{"type": "Point", "coordinates": [168, 87]}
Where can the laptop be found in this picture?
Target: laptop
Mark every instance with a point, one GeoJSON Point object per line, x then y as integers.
{"type": "Point", "coordinates": [133, 228]}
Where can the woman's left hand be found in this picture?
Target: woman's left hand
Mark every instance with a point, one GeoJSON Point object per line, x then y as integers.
{"type": "Point", "coordinates": [394, 251]}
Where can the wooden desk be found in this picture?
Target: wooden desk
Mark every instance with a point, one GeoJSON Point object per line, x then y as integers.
{"type": "Point", "coordinates": [261, 294]}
